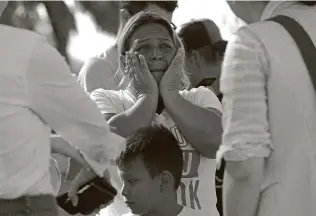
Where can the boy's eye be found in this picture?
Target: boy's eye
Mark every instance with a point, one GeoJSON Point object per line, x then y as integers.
{"type": "Point", "coordinates": [132, 181]}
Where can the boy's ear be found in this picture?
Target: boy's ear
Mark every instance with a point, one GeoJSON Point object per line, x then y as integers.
{"type": "Point", "coordinates": [166, 181]}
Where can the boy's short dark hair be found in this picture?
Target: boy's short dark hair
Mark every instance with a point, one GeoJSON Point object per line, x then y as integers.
{"type": "Point", "coordinates": [158, 149]}
{"type": "Point", "coordinates": [133, 7]}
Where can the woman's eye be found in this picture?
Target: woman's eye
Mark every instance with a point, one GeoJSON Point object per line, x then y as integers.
{"type": "Point", "coordinates": [142, 48]}
{"type": "Point", "coordinates": [165, 46]}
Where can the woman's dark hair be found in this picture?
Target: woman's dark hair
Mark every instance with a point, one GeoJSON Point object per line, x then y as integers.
{"type": "Point", "coordinates": [308, 3]}
{"type": "Point", "coordinates": [142, 18]}
{"type": "Point", "coordinates": [134, 7]}
{"type": "Point", "coordinates": [139, 19]}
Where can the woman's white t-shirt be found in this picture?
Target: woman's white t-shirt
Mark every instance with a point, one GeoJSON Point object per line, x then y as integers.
{"type": "Point", "coordinates": [197, 188]}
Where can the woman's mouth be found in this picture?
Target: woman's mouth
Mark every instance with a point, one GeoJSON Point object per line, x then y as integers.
{"type": "Point", "coordinates": [157, 75]}
{"type": "Point", "coordinates": [157, 66]}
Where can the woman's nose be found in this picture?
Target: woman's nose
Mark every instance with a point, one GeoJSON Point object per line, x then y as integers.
{"type": "Point", "coordinates": [156, 55]}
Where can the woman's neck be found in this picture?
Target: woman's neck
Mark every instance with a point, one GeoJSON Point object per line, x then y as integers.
{"type": "Point", "coordinates": [160, 105]}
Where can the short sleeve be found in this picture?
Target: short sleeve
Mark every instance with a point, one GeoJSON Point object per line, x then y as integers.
{"type": "Point", "coordinates": [206, 98]}
{"type": "Point", "coordinates": [108, 101]}
{"type": "Point", "coordinates": [203, 97]}
{"type": "Point", "coordinates": [97, 73]}
{"type": "Point", "coordinates": [243, 84]}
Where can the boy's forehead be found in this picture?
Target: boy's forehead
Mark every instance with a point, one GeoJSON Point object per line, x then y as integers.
{"type": "Point", "coordinates": [133, 166]}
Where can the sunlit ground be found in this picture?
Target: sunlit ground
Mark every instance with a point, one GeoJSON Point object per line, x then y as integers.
{"type": "Point", "coordinates": [89, 41]}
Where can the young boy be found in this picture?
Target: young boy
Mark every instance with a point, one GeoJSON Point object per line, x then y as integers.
{"type": "Point", "coordinates": [150, 168]}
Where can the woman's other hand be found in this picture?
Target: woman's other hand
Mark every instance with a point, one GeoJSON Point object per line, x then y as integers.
{"type": "Point", "coordinates": [171, 80]}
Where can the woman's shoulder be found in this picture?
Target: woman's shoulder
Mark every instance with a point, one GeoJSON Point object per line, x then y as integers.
{"type": "Point", "coordinates": [117, 98]}
{"type": "Point", "coordinates": [196, 91]}
{"type": "Point", "coordinates": [202, 96]}
{"type": "Point", "coordinates": [111, 94]}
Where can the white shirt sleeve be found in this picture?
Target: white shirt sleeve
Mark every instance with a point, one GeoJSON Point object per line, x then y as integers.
{"type": "Point", "coordinates": [56, 97]}
{"type": "Point", "coordinates": [108, 101]}
{"type": "Point", "coordinates": [203, 97]}
{"type": "Point", "coordinates": [243, 84]}
{"type": "Point", "coordinates": [207, 98]}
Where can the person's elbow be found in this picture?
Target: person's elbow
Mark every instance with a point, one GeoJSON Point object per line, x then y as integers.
{"type": "Point", "coordinates": [213, 135]}
{"type": "Point", "coordinates": [212, 143]}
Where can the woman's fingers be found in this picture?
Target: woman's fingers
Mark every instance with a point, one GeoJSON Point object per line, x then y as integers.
{"type": "Point", "coordinates": [143, 63]}
{"type": "Point", "coordinates": [136, 68]}
{"type": "Point", "coordinates": [141, 68]}
{"type": "Point", "coordinates": [130, 67]}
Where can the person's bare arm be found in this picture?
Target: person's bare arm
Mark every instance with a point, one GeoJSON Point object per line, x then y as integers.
{"type": "Point", "coordinates": [201, 126]}
{"type": "Point", "coordinates": [140, 115]}
{"type": "Point", "coordinates": [242, 185]}
{"type": "Point", "coordinates": [144, 88]}
{"type": "Point", "coordinates": [62, 147]}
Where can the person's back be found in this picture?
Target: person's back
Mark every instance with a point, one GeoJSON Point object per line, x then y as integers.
{"type": "Point", "coordinates": [288, 113]}
{"type": "Point", "coordinates": [17, 124]}
{"type": "Point", "coordinates": [292, 117]}
{"type": "Point", "coordinates": [38, 94]}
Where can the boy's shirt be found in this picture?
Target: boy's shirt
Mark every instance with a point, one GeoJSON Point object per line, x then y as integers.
{"type": "Point", "coordinates": [197, 189]}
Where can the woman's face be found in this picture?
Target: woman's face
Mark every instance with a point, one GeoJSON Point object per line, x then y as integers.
{"type": "Point", "coordinates": [155, 43]}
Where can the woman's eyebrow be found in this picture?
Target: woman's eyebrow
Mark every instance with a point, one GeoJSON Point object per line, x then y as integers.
{"type": "Point", "coordinates": [166, 39]}
{"type": "Point", "coordinates": [141, 40]}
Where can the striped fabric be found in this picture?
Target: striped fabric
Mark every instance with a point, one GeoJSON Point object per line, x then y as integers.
{"type": "Point", "coordinates": [244, 119]}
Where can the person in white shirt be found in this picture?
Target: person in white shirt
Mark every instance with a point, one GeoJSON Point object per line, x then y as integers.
{"type": "Point", "coordinates": [203, 56]}
{"type": "Point", "coordinates": [203, 63]}
{"type": "Point", "coordinates": [38, 94]}
{"type": "Point", "coordinates": [150, 168]}
{"type": "Point", "coordinates": [269, 114]}
{"type": "Point", "coordinates": [100, 71]}
{"type": "Point", "coordinates": [152, 61]}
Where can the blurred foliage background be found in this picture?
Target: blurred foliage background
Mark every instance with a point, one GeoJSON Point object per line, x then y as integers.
{"type": "Point", "coordinates": [55, 19]}
{"type": "Point", "coordinates": [58, 21]}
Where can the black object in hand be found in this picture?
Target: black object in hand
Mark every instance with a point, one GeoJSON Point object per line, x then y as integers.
{"type": "Point", "coordinates": [95, 193]}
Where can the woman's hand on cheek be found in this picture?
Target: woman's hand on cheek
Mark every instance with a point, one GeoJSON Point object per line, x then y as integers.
{"type": "Point", "coordinates": [141, 81]}
{"type": "Point", "coordinates": [171, 80]}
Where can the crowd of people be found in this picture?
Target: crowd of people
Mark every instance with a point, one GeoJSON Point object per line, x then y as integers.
{"type": "Point", "coordinates": [163, 113]}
